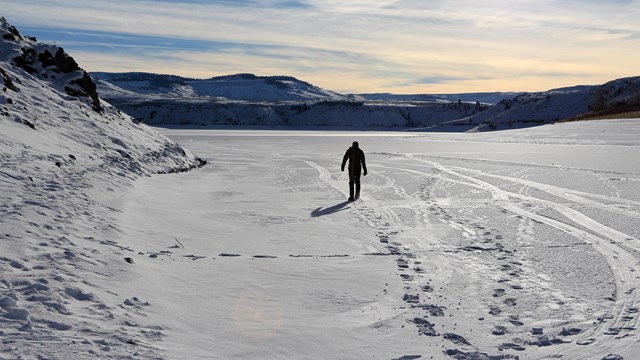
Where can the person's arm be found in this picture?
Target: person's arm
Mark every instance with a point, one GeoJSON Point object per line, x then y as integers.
{"type": "Point", "coordinates": [344, 160]}
{"type": "Point", "coordinates": [364, 165]}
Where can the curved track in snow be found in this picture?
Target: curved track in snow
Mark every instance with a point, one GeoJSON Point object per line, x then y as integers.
{"type": "Point", "coordinates": [614, 331]}
{"type": "Point", "coordinates": [624, 266]}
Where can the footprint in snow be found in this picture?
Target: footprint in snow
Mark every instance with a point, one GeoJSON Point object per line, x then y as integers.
{"type": "Point", "coordinates": [511, 346]}
{"type": "Point", "coordinates": [136, 302]}
{"type": "Point", "coordinates": [499, 330]}
{"type": "Point", "coordinates": [456, 339]}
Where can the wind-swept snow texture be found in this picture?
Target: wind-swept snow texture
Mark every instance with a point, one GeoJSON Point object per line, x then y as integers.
{"type": "Point", "coordinates": [520, 244]}
{"type": "Point", "coordinates": [65, 157]}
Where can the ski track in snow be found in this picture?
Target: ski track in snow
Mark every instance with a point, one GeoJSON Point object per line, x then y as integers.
{"type": "Point", "coordinates": [615, 330]}
{"type": "Point", "coordinates": [623, 315]}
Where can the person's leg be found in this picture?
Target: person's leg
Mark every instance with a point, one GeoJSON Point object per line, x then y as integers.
{"type": "Point", "coordinates": [356, 180]}
{"type": "Point", "coordinates": [351, 183]}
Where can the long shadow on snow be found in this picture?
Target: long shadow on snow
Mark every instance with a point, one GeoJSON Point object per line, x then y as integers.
{"type": "Point", "coordinates": [330, 210]}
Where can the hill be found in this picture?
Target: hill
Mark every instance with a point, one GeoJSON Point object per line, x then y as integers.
{"type": "Point", "coordinates": [564, 104]}
{"type": "Point", "coordinates": [280, 101]}
{"type": "Point", "coordinates": [244, 87]}
{"type": "Point", "coordinates": [274, 101]}
{"type": "Point", "coordinates": [65, 158]}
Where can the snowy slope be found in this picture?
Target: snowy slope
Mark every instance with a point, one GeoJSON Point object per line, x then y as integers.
{"type": "Point", "coordinates": [65, 155]}
{"type": "Point", "coordinates": [247, 87]}
{"type": "Point", "coordinates": [559, 104]}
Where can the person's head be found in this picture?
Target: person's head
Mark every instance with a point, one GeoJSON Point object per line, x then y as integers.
{"type": "Point", "coordinates": [355, 144]}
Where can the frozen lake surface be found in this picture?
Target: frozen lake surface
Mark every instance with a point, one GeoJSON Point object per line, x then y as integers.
{"type": "Point", "coordinates": [518, 243]}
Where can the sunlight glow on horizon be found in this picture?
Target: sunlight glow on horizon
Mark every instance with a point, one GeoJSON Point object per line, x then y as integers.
{"type": "Point", "coordinates": [397, 46]}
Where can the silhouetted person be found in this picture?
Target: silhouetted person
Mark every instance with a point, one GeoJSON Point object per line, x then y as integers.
{"type": "Point", "coordinates": [356, 159]}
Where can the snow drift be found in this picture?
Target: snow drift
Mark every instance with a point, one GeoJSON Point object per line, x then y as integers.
{"type": "Point", "coordinates": [65, 153]}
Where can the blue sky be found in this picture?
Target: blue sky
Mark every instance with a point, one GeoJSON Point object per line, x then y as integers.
{"type": "Point", "coordinates": [400, 46]}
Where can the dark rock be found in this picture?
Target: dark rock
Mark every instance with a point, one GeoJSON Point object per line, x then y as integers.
{"type": "Point", "coordinates": [9, 37]}
{"type": "Point", "coordinates": [12, 29]}
{"type": "Point", "coordinates": [87, 88]}
{"type": "Point", "coordinates": [64, 62]}
{"type": "Point", "coordinates": [26, 60]}
{"type": "Point", "coordinates": [46, 59]}
{"type": "Point", "coordinates": [7, 81]}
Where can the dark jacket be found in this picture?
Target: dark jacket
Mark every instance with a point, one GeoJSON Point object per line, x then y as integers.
{"type": "Point", "coordinates": [356, 158]}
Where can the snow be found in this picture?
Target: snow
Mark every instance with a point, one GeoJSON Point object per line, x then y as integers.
{"type": "Point", "coordinates": [458, 237]}
{"type": "Point", "coordinates": [239, 87]}
{"type": "Point", "coordinates": [63, 157]}
{"type": "Point", "coordinates": [511, 244]}
{"type": "Point", "coordinates": [492, 226]}
{"type": "Point", "coordinates": [557, 104]}
{"type": "Point", "coordinates": [277, 101]}
{"type": "Point", "coordinates": [274, 101]}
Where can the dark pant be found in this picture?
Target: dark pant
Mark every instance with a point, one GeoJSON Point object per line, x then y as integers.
{"type": "Point", "coordinates": [354, 179]}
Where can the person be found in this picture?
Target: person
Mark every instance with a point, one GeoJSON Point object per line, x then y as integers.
{"type": "Point", "coordinates": [355, 155]}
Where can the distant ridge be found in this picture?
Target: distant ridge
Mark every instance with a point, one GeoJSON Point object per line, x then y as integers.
{"type": "Point", "coordinates": [483, 97]}
{"type": "Point", "coordinates": [251, 100]}
{"type": "Point", "coordinates": [619, 96]}
{"type": "Point", "coordinates": [244, 87]}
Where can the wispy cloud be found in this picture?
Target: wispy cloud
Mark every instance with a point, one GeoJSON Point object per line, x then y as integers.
{"type": "Point", "coordinates": [357, 45]}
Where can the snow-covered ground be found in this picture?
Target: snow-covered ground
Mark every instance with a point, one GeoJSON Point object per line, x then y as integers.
{"type": "Point", "coordinates": [65, 159]}
{"type": "Point", "coordinates": [513, 244]}
{"type": "Point", "coordinates": [521, 243]}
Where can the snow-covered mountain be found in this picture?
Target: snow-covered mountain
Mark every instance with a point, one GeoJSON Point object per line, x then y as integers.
{"type": "Point", "coordinates": [249, 100]}
{"type": "Point", "coordinates": [264, 101]}
{"type": "Point", "coordinates": [529, 109]}
{"type": "Point", "coordinates": [65, 156]}
{"type": "Point", "coordinates": [246, 87]}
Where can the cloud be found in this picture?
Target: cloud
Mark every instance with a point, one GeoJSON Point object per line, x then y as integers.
{"type": "Point", "coordinates": [442, 44]}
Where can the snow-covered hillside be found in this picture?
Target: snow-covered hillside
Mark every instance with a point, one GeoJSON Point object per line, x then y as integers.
{"type": "Point", "coordinates": [246, 87]}
{"type": "Point", "coordinates": [559, 104]}
{"type": "Point", "coordinates": [249, 100]}
{"type": "Point", "coordinates": [65, 156]}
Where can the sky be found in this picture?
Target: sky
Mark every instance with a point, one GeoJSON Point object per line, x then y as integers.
{"type": "Point", "coordinates": [350, 46]}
